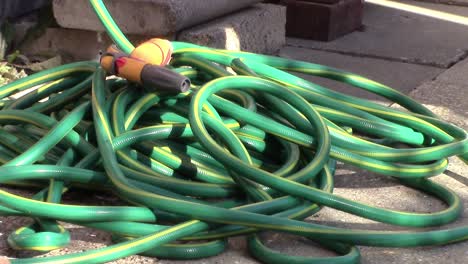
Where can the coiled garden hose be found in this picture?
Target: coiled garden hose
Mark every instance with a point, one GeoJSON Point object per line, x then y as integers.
{"type": "Point", "coordinates": [249, 148]}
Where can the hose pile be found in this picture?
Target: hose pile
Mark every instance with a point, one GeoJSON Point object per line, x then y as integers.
{"type": "Point", "coordinates": [249, 148]}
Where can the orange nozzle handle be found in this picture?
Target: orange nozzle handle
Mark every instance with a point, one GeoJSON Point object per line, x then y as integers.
{"type": "Point", "coordinates": [137, 69]}
{"type": "Point", "coordinates": [154, 51]}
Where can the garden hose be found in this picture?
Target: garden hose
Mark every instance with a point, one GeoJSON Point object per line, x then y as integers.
{"type": "Point", "coordinates": [203, 144]}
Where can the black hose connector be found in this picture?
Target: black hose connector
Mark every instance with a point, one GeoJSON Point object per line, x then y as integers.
{"type": "Point", "coordinates": [160, 79]}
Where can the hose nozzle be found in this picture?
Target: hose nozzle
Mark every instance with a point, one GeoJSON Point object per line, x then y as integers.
{"type": "Point", "coordinates": [145, 65]}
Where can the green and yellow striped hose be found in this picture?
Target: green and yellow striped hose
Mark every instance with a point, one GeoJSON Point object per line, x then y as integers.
{"type": "Point", "coordinates": [249, 148]}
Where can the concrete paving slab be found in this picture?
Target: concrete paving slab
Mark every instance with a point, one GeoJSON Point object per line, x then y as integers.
{"type": "Point", "coordinates": [448, 2]}
{"type": "Point", "coordinates": [447, 95]}
{"type": "Point", "coordinates": [402, 36]}
{"type": "Point", "coordinates": [401, 76]}
{"type": "Point", "coordinates": [457, 74]}
{"type": "Point", "coordinates": [146, 17]}
{"type": "Point", "coordinates": [387, 193]}
{"type": "Point", "coordinates": [259, 29]}
{"type": "Point", "coordinates": [437, 99]}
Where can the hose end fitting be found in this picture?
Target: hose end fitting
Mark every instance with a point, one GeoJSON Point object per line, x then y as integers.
{"type": "Point", "coordinates": [145, 65]}
{"type": "Point", "coordinates": [157, 78]}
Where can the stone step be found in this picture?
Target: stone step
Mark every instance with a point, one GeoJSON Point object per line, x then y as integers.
{"type": "Point", "coordinates": [74, 44]}
{"type": "Point", "coordinates": [260, 29]}
{"type": "Point", "coordinates": [146, 17]}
